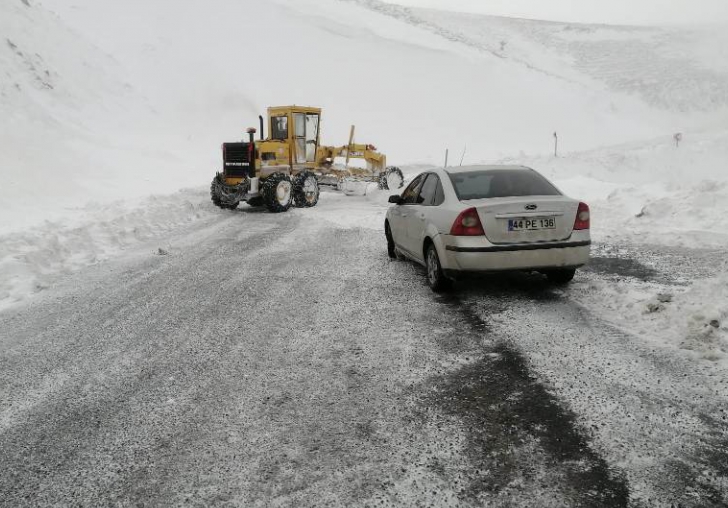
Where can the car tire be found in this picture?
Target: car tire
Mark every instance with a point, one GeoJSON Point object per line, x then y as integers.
{"type": "Point", "coordinates": [561, 277]}
{"type": "Point", "coordinates": [391, 247]}
{"type": "Point", "coordinates": [435, 276]}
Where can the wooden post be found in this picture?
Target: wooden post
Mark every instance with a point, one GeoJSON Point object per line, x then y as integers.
{"type": "Point", "coordinates": [348, 147]}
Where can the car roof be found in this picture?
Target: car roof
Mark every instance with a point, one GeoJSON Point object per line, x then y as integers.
{"type": "Point", "coordinates": [486, 167]}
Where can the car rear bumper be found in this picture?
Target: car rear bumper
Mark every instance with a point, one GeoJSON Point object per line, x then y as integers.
{"type": "Point", "coordinates": [469, 256]}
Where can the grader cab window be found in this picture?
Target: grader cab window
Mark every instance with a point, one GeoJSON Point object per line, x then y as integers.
{"type": "Point", "coordinates": [279, 128]}
{"type": "Point", "coordinates": [312, 125]}
{"type": "Point", "coordinates": [306, 136]}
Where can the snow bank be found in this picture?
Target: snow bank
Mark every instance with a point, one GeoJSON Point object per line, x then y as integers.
{"type": "Point", "coordinates": [31, 260]}
{"type": "Point", "coordinates": [649, 192]}
{"type": "Point", "coordinates": [692, 318]}
{"type": "Point", "coordinates": [700, 315]}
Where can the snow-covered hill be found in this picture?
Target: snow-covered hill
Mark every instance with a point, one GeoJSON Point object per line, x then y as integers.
{"type": "Point", "coordinates": [104, 100]}
{"type": "Point", "coordinates": [73, 129]}
{"type": "Point", "coordinates": [681, 69]}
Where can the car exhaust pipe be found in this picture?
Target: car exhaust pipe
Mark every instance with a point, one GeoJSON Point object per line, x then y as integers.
{"type": "Point", "coordinates": [260, 117]}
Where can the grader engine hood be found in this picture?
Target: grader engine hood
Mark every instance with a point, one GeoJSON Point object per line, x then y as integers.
{"type": "Point", "coordinates": [238, 159]}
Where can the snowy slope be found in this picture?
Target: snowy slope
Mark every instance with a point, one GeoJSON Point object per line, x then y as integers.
{"type": "Point", "coordinates": [411, 92]}
{"type": "Point", "coordinates": [70, 124]}
{"type": "Point", "coordinates": [682, 69]}
{"type": "Point", "coordinates": [143, 93]}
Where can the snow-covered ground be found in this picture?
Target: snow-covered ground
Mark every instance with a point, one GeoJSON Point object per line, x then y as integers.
{"type": "Point", "coordinates": [93, 120]}
{"type": "Point", "coordinates": [109, 136]}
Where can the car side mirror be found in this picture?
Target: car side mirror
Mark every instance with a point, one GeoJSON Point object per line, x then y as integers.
{"type": "Point", "coordinates": [396, 199]}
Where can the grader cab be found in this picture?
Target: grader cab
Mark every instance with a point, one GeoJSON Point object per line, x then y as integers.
{"type": "Point", "coordinates": [286, 168]}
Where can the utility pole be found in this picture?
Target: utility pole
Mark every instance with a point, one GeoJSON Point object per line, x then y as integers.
{"type": "Point", "coordinates": [447, 152]}
{"type": "Point", "coordinates": [677, 137]}
{"type": "Point", "coordinates": [463, 156]}
{"type": "Point", "coordinates": [556, 144]}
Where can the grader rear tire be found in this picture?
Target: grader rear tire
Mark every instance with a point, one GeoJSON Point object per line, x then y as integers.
{"type": "Point", "coordinates": [278, 193]}
{"type": "Point", "coordinates": [306, 190]}
{"type": "Point", "coordinates": [391, 179]}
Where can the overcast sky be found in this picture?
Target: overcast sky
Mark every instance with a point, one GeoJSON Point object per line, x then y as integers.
{"type": "Point", "coordinates": [592, 11]}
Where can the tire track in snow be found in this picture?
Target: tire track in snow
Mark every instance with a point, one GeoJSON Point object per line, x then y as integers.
{"type": "Point", "coordinates": [505, 408]}
{"type": "Point", "coordinates": [649, 412]}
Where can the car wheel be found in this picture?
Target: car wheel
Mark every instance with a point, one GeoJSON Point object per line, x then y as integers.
{"type": "Point", "coordinates": [391, 248]}
{"type": "Point", "coordinates": [435, 277]}
{"type": "Point", "coordinates": [561, 277]}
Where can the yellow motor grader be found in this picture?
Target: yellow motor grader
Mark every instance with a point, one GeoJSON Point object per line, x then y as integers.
{"type": "Point", "coordinates": [287, 167]}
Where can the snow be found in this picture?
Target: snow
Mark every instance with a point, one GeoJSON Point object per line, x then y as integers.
{"type": "Point", "coordinates": [128, 116]}
{"type": "Point", "coordinates": [692, 317]}
{"type": "Point", "coordinates": [109, 137]}
{"type": "Point", "coordinates": [650, 191]}
{"type": "Point", "coordinates": [33, 260]}
{"type": "Point", "coordinates": [93, 121]}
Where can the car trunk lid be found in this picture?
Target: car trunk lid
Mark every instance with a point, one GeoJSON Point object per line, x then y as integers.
{"type": "Point", "coordinates": [527, 219]}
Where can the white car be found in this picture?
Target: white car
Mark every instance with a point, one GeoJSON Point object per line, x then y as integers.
{"type": "Point", "coordinates": [486, 219]}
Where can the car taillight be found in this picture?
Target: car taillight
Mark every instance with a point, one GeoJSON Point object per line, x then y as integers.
{"type": "Point", "coordinates": [582, 217]}
{"type": "Point", "coordinates": [467, 224]}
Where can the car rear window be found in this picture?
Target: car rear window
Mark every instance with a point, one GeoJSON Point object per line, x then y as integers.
{"type": "Point", "coordinates": [500, 183]}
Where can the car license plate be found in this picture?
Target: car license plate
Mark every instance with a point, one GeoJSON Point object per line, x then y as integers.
{"type": "Point", "coordinates": [532, 224]}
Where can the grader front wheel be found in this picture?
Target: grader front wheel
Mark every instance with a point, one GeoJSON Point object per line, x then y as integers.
{"type": "Point", "coordinates": [278, 192]}
{"type": "Point", "coordinates": [218, 196]}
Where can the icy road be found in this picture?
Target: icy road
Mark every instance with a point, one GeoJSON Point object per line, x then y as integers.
{"type": "Point", "coordinates": [284, 360]}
